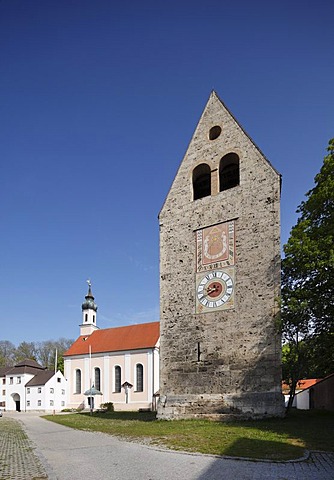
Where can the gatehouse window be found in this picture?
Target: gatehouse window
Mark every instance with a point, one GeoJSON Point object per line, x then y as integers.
{"type": "Point", "coordinates": [201, 181]}
{"type": "Point", "coordinates": [139, 377]}
{"type": "Point", "coordinates": [97, 379]}
{"type": "Point", "coordinates": [118, 381]}
{"type": "Point", "coordinates": [229, 175]}
{"type": "Point", "coordinates": [78, 381]}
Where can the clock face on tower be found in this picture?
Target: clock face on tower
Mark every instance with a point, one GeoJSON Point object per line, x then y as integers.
{"type": "Point", "coordinates": [215, 263]}
{"type": "Point", "coordinates": [214, 291]}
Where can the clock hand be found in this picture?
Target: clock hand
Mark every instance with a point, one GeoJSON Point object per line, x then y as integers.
{"type": "Point", "coordinates": [211, 290]}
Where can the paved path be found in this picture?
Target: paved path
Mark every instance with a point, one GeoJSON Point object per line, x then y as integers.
{"type": "Point", "coordinates": [68, 454]}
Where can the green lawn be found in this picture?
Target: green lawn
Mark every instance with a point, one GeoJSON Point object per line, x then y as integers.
{"type": "Point", "coordinates": [274, 439]}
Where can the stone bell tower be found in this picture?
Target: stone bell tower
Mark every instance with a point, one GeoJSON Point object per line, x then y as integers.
{"type": "Point", "coordinates": [220, 277]}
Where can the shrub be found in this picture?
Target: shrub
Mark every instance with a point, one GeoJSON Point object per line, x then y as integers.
{"type": "Point", "coordinates": [108, 406]}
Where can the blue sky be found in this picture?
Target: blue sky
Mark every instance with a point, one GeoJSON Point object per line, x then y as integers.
{"type": "Point", "coordinates": [99, 100]}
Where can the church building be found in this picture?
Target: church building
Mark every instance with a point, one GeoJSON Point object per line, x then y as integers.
{"type": "Point", "coordinates": [120, 365]}
{"type": "Point", "coordinates": [220, 277]}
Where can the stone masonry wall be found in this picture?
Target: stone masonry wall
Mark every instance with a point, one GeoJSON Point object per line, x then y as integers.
{"type": "Point", "coordinates": [228, 361]}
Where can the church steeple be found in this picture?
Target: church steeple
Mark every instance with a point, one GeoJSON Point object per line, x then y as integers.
{"type": "Point", "coordinates": [89, 309]}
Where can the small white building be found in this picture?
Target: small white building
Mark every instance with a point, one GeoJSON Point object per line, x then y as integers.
{"type": "Point", "coordinates": [30, 387]}
{"type": "Point", "coordinates": [121, 363]}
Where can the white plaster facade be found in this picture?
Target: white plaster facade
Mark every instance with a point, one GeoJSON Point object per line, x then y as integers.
{"type": "Point", "coordinates": [30, 387]}
{"type": "Point", "coordinates": [127, 398]}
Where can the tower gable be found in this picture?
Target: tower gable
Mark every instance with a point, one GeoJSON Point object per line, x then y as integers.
{"type": "Point", "coordinates": [217, 135]}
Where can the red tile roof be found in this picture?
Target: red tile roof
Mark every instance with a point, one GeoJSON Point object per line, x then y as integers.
{"type": "Point", "coordinates": [133, 337]}
{"type": "Point", "coordinates": [302, 384]}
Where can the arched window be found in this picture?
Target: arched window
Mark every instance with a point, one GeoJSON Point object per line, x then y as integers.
{"type": "Point", "coordinates": [118, 381]}
{"type": "Point", "coordinates": [86, 317]}
{"type": "Point", "coordinates": [97, 379]}
{"type": "Point", "coordinates": [139, 377]}
{"type": "Point", "coordinates": [229, 175]}
{"type": "Point", "coordinates": [202, 181]}
{"type": "Point", "coordinates": [78, 381]}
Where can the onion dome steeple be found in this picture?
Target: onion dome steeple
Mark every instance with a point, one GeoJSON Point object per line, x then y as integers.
{"type": "Point", "coordinates": [89, 309]}
{"type": "Point", "coordinates": [89, 303]}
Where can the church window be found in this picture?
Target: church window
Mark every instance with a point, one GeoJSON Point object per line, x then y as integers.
{"type": "Point", "coordinates": [97, 379]}
{"type": "Point", "coordinates": [201, 181]}
{"type": "Point", "coordinates": [86, 317]}
{"type": "Point", "coordinates": [52, 390]}
{"type": "Point", "coordinates": [214, 132]}
{"type": "Point", "coordinates": [39, 390]}
{"type": "Point", "coordinates": [28, 391]}
{"type": "Point", "coordinates": [139, 377]}
{"type": "Point", "coordinates": [118, 381]}
{"type": "Point", "coordinates": [28, 403]}
{"type": "Point", "coordinates": [51, 403]}
{"type": "Point", "coordinates": [18, 380]}
{"type": "Point", "coordinates": [93, 318]}
{"type": "Point", "coordinates": [229, 175]}
{"type": "Point", "coordinates": [39, 403]}
{"type": "Point", "coordinates": [78, 381]}
{"type": "Point", "coordinates": [11, 380]}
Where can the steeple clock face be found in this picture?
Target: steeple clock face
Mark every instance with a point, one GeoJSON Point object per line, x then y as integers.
{"type": "Point", "coordinates": [215, 268]}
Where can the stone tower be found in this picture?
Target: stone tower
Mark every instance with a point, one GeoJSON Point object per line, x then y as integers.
{"type": "Point", "coordinates": [220, 277]}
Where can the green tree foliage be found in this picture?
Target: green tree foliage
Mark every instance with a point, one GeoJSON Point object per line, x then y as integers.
{"type": "Point", "coordinates": [308, 283]}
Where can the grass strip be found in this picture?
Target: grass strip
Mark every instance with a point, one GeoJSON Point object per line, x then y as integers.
{"type": "Point", "coordinates": [270, 439]}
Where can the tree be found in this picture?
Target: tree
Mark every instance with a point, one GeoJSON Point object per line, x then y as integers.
{"type": "Point", "coordinates": [46, 353]}
{"type": "Point", "coordinates": [7, 353]}
{"type": "Point", "coordinates": [42, 352]}
{"type": "Point", "coordinates": [308, 283]}
{"type": "Point", "coordinates": [26, 350]}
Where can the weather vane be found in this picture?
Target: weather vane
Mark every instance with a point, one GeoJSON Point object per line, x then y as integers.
{"type": "Point", "coordinates": [89, 282]}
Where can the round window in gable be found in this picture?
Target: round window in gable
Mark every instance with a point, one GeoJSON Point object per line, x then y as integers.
{"type": "Point", "coordinates": [215, 132]}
